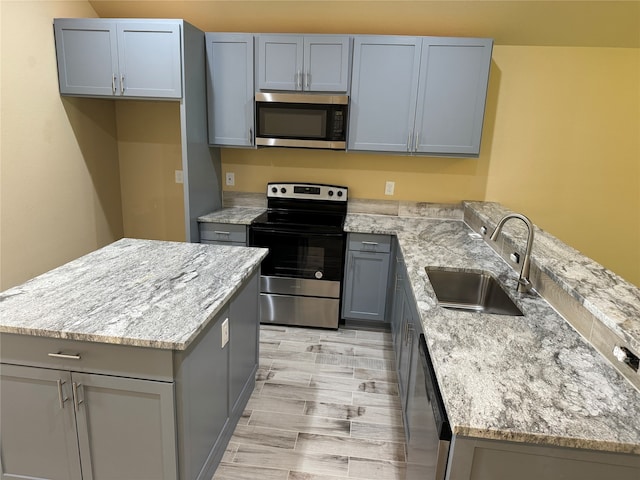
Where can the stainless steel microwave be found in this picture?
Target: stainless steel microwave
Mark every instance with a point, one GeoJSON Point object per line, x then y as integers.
{"type": "Point", "coordinates": [301, 120]}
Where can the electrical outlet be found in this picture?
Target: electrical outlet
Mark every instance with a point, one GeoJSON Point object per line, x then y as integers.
{"type": "Point", "coordinates": [230, 179]}
{"type": "Point", "coordinates": [225, 332]}
{"type": "Point", "coordinates": [179, 177]}
{"type": "Point", "coordinates": [389, 188]}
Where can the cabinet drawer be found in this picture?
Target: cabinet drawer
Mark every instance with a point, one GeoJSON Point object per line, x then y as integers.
{"type": "Point", "coordinates": [223, 232]}
{"type": "Point", "coordinates": [367, 242]}
{"type": "Point", "coordinates": [89, 357]}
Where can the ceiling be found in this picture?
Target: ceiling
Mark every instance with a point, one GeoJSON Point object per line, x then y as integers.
{"type": "Point", "coordinates": [581, 23]}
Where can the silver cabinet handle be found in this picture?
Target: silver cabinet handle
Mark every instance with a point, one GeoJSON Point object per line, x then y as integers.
{"type": "Point", "coordinates": [369, 243]}
{"type": "Point", "coordinates": [66, 356]}
{"type": "Point", "coordinates": [308, 80]}
{"type": "Point", "coordinates": [415, 145]}
{"type": "Point", "coordinates": [251, 136]}
{"type": "Point", "coordinates": [76, 401]}
{"type": "Point", "coordinates": [121, 84]}
{"type": "Point", "coordinates": [113, 84]}
{"type": "Point", "coordinates": [220, 232]}
{"type": "Point", "coordinates": [299, 81]}
{"type": "Point", "coordinates": [409, 142]}
{"type": "Point", "coordinates": [61, 397]}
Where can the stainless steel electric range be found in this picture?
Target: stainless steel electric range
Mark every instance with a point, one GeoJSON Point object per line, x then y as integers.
{"type": "Point", "coordinates": [301, 278]}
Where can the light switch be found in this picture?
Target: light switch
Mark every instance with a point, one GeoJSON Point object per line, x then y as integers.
{"type": "Point", "coordinates": [179, 176]}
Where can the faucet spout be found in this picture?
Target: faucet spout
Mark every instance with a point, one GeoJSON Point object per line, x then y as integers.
{"type": "Point", "coordinates": [524, 283]}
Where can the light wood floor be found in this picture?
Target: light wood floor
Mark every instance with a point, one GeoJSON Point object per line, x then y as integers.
{"type": "Point", "coordinates": [325, 407]}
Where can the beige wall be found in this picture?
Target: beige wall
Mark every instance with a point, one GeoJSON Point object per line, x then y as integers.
{"type": "Point", "coordinates": [59, 180]}
{"type": "Point", "coordinates": [149, 153]}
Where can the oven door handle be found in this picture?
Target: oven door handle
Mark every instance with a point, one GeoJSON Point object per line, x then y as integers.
{"type": "Point", "coordinates": [285, 231]}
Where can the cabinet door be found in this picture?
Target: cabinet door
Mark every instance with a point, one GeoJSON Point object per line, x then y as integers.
{"type": "Point", "coordinates": [244, 327]}
{"type": "Point", "coordinates": [383, 93]}
{"type": "Point", "coordinates": [397, 303]}
{"type": "Point", "coordinates": [38, 424]}
{"type": "Point", "coordinates": [149, 59]}
{"type": "Point", "coordinates": [87, 55]}
{"type": "Point", "coordinates": [230, 88]}
{"type": "Point", "coordinates": [280, 62]}
{"type": "Point", "coordinates": [126, 427]}
{"type": "Point", "coordinates": [326, 63]}
{"type": "Point", "coordinates": [454, 73]}
{"type": "Point", "coordinates": [404, 364]}
{"type": "Point", "coordinates": [365, 290]}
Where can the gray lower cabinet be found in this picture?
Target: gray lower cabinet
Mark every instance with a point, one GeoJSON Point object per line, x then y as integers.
{"type": "Point", "coordinates": [366, 277]}
{"type": "Point", "coordinates": [59, 424]}
{"type": "Point", "coordinates": [121, 412]}
{"type": "Point", "coordinates": [119, 58]}
{"type": "Point", "coordinates": [405, 330]}
{"type": "Point", "coordinates": [39, 438]}
{"type": "Point", "coordinates": [419, 95]}
{"type": "Point", "coordinates": [223, 234]}
{"type": "Point", "coordinates": [230, 89]}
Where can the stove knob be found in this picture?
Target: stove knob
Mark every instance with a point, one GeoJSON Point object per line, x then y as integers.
{"type": "Point", "coordinates": [274, 190]}
{"type": "Point", "coordinates": [339, 193]}
{"type": "Point", "coordinates": [319, 275]}
{"type": "Point", "coordinates": [283, 190]}
{"type": "Point", "coordinates": [331, 193]}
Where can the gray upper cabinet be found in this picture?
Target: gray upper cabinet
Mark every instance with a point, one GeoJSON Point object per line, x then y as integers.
{"type": "Point", "coordinates": [314, 63]}
{"type": "Point", "coordinates": [454, 73]}
{"type": "Point", "coordinates": [419, 95]}
{"type": "Point", "coordinates": [119, 58]}
{"type": "Point", "coordinates": [230, 89]}
{"type": "Point", "coordinates": [383, 93]}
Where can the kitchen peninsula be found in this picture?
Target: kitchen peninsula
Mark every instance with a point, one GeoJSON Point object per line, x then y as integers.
{"type": "Point", "coordinates": [522, 393]}
{"type": "Point", "coordinates": [134, 361]}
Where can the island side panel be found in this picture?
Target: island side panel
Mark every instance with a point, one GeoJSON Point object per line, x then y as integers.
{"type": "Point", "coordinates": [244, 341]}
{"type": "Point", "coordinates": [206, 419]}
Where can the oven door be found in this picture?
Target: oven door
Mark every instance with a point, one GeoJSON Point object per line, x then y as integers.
{"type": "Point", "coordinates": [298, 254]}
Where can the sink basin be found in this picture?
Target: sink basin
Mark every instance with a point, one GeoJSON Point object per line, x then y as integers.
{"type": "Point", "coordinates": [471, 291]}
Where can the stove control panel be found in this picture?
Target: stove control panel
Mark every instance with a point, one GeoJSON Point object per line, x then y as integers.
{"type": "Point", "coordinates": [308, 191]}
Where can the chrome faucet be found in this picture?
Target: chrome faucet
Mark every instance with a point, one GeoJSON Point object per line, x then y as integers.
{"type": "Point", "coordinates": [524, 284]}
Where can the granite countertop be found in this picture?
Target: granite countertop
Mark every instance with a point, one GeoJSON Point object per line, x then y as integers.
{"type": "Point", "coordinates": [142, 293]}
{"type": "Point", "coordinates": [528, 379]}
{"type": "Point", "coordinates": [237, 215]}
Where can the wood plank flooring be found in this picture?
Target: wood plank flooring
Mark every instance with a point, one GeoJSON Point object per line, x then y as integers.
{"type": "Point", "coordinates": [325, 407]}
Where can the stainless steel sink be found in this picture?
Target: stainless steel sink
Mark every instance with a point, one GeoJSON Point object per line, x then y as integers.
{"type": "Point", "coordinates": [472, 291]}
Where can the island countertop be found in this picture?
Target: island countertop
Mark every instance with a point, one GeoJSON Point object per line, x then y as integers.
{"type": "Point", "coordinates": [143, 293]}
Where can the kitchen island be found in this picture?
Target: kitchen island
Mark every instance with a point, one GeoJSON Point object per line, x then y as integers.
{"type": "Point", "coordinates": [134, 361]}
